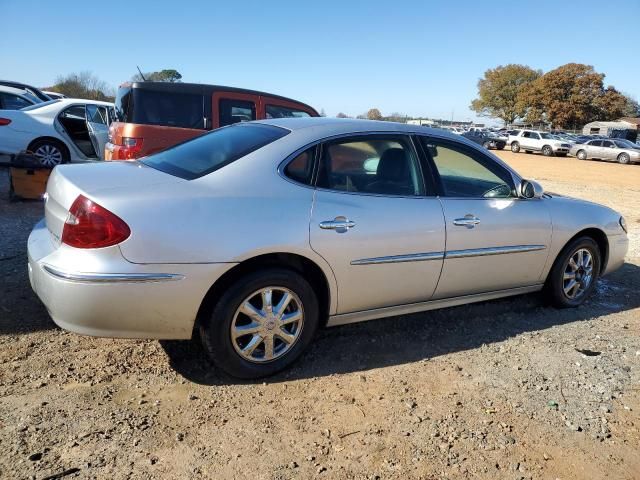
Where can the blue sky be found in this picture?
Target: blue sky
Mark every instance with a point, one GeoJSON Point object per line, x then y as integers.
{"type": "Point", "coordinates": [414, 57]}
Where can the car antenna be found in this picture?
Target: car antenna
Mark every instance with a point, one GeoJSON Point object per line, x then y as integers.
{"type": "Point", "coordinates": [140, 72]}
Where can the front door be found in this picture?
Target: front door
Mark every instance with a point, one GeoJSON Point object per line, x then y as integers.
{"type": "Point", "coordinates": [495, 240]}
{"type": "Point", "coordinates": [374, 223]}
{"type": "Point", "coordinates": [98, 127]}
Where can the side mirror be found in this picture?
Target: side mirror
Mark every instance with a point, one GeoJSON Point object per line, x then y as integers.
{"type": "Point", "coordinates": [531, 189]}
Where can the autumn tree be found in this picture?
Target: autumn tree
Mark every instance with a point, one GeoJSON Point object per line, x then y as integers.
{"type": "Point", "coordinates": [374, 114]}
{"type": "Point", "coordinates": [167, 75]}
{"type": "Point", "coordinates": [499, 89]}
{"type": "Point", "coordinates": [83, 85]}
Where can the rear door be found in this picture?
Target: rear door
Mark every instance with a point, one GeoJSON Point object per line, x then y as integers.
{"type": "Point", "coordinates": [594, 148]}
{"type": "Point", "coordinates": [495, 240]}
{"type": "Point", "coordinates": [375, 224]}
{"type": "Point", "coordinates": [98, 127]}
{"type": "Point", "coordinates": [234, 107]}
{"type": "Point", "coordinates": [608, 150]}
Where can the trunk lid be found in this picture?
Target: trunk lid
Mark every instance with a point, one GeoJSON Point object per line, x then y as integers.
{"type": "Point", "coordinates": [68, 181]}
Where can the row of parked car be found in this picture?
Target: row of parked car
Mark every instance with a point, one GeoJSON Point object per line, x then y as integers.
{"type": "Point", "coordinates": [147, 117]}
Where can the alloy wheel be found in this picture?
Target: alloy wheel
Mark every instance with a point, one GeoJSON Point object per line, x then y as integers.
{"type": "Point", "coordinates": [578, 274]}
{"type": "Point", "coordinates": [49, 155]}
{"type": "Point", "coordinates": [267, 324]}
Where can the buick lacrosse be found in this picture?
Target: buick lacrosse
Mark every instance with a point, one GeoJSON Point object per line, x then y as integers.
{"type": "Point", "coordinates": [259, 233]}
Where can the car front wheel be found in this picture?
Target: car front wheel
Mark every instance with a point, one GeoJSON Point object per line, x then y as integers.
{"type": "Point", "coordinates": [261, 324]}
{"type": "Point", "coordinates": [547, 151]}
{"type": "Point", "coordinates": [624, 158]}
{"type": "Point", "coordinates": [574, 273]}
{"type": "Point", "coordinates": [515, 147]}
{"type": "Point", "coordinates": [582, 155]}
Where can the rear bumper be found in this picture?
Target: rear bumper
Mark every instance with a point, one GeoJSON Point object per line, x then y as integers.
{"type": "Point", "coordinates": [113, 297]}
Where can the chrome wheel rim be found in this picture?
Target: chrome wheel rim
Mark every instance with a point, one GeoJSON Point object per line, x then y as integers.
{"type": "Point", "coordinates": [49, 155]}
{"type": "Point", "coordinates": [267, 324]}
{"type": "Point", "coordinates": [582, 155]}
{"type": "Point", "coordinates": [578, 274]}
{"type": "Point", "coordinates": [547, 151]}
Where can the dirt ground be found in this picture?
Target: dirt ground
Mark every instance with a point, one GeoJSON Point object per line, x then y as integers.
{"type": "Point", "coordinates": [506, 389]}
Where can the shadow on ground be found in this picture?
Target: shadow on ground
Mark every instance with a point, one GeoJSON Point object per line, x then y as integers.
{"type": "Point", "coordinates": [411, 338]}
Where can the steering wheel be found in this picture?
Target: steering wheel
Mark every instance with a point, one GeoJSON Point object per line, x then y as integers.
{"type": "Point", "coordinates": [500, 191]}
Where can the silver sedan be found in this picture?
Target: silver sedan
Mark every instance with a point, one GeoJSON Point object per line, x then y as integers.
{"type": "Point", "coordinates": [614, 150]}
{"type": "Point", "coordinates": [259, 233]}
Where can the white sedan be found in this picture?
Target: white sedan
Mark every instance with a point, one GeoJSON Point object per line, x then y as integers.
{"type": "Point", "coordinates": [58, 131]}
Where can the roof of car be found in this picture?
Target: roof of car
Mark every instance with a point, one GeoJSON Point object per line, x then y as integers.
{"type": "Point", "coordinates": [13, 90]}
{"type": "Point", "coordinates": [204, 89]}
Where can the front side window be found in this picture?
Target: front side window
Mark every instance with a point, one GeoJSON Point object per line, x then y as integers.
{"type": "Point", "coordinates": [466, 173]}
{"type": "Point", "coordinates": [236, 111]}
{"type": "Point", "coordinates": [210, 152]}
{"type": "Point", "coordinates": [13, 102]}
{"type": "Point", "coordinates": [276, 111]}
{"type": "Point", "coordinates": [380, 165]}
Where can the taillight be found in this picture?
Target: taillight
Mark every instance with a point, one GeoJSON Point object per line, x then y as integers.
{"type": "Point", "coordinates": [4, 121]}
{"type": "Point", "coordinates": [130, 148]}
{"type": "Point", "coordinates": [90, 225]}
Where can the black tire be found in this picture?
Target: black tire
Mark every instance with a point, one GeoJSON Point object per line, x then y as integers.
{"type": "Point", "coordinates": [500, 147]}
{"type": "Point", "coordinates": [215, 331]}
{"type": "Point", "coordinates": [528, 151]}
{"type": "Point", "coordinates": [554, 287]}
{"type": "Point", "coordinates": [515, 147]}
{"type": "Point", "coordinates": [547, 151]}
{"type": "Point", "coordinates": [581, 155]}
{"type": "Point", "coordinates": [624, 158]}
{"type": "Point", "coordinates": [51, 143]}
{"type": "Point", "coordinates": [561, 154]}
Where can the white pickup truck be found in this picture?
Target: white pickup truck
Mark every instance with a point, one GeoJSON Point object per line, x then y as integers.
{"type": "Point", "coordinates": [536, 141]}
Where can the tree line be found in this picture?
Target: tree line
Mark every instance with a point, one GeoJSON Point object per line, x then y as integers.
{"type": "Point", "coordinates": [566, 97]}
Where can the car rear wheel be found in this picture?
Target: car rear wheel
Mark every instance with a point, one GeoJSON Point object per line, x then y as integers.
{"type": "Point", "coordinates": [261, 324]}
{"type": "Point", "coordinates": [624, 158]}
{"type": "Point", "coordinates": [49, 152]}
{"type": "Point", "coordinates": [581, 155]}
{"type": "Point", "coordinates": [515, 147]}
{"type": "Point", "coordinates": [574, 273]}
{"type": "Point", "coordinates": [547, 151]}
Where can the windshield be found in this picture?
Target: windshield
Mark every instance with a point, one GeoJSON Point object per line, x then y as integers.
{"type": "Point", "coordinates": [39, 105]}
{"type": "Point", "coordinates": [548, 136]}
{"type": "Point", "coordinates": [212, 151]}
{"type": "Point", "coordinates": [623, 143]}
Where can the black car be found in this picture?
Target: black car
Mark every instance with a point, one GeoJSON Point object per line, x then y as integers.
{"type": "Point", "coordinates": [487, 139]}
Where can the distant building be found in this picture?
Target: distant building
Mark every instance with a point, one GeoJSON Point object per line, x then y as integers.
{"type": "Point", "coordinates": [605, 128]}
{"type": "Point", "coordinates": [422, 122]}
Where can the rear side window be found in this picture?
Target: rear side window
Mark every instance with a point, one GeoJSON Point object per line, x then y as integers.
{"type": "Point", "coordinates": [300, 168]}
{"type": "Point", "coordinates": [210, 152]}
{"type": "Point", "coordinates": [13, 102]}
{"type": "Point", "coordinates": [275, 111]}
{"type": "Point", "coordinates": [169, 109]}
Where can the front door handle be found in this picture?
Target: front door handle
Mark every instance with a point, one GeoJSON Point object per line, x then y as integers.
{"type": "Point", "coordinates": [339, 224]}
{"type": "Point", "coordinates": [469, 221]}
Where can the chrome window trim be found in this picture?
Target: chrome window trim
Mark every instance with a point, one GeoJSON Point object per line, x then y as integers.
{"type": "Point", "coordinates": [412, 257]}
{"type": "Point", "coordinates": [112, 277]}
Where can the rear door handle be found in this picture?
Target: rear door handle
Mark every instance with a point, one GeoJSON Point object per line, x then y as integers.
{"type": "Point", "coordinates": [339, 224]}
{"type": "Point", "coordinates": [469, 221]}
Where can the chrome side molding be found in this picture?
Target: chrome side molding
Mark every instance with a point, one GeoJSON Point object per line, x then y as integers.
{"type": "Point", "coordinates": [112, 277]}
{"type": "Point", "coordinates": [413, 257]}
{"type": "Point", "coordinates": [345, 318]}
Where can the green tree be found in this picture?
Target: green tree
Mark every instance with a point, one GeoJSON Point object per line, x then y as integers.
{"type": "Point", "coordinates": [374, 114]}
{"type": "Point", "coordinates": [83, 85]}
{"type": "Point", "coordinates": [499, 89]}
{"type": "Point", "coordinates": [342, 115]}
{"type": "Point", "coordinates": [166, 75]}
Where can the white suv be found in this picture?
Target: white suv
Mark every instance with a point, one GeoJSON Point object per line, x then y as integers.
{"type": "Point", "coordinates": [535, 141]}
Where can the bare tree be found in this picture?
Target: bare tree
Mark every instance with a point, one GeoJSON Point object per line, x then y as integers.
{"type": "Point", "coordinates": [83, 85]}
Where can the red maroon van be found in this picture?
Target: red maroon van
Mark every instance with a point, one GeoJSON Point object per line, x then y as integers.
{"type": "Point", "coordinates": [153, 116]}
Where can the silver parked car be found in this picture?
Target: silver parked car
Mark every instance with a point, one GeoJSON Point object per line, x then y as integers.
{"type": "Point", "coordinates": [614, 150]}
{"type": "Point", "coordinates": [259, 233]}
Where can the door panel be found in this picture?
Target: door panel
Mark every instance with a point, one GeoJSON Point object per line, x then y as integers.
{"type": "Point", "coordinates": [508, 247]}
{"type": "Point", "coordinates": [393, 253]}
{"type": "Point", "coordinates": [97, 125]}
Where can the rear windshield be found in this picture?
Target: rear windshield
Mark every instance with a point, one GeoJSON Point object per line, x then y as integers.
{"type": "Point", "coordinates": [168, 109]}
{"type": "Point", "coordinates": [212, 151]}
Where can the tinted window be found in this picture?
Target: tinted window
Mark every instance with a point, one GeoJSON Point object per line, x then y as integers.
{"type": "Point", "coordinates": [595, 143]}
{"type": "Point", "coordinates": [274, 111]}
{"type": "Point", "coordinates": [122, 104]}
{"type": "Point", "coordinates": [75, 112]}
{"type": "Point", "coordinates": [384, 166]}
{"type": "Point", "coordinates": [607, 144]}
{"type": "Point", "coordinates": [170, 109]}
{"type": "Point", "coordinates": [214, 150]}
{"type": "Point", "coordinates": [236, 111]}
{"type": "Point", "coordinates": [13, 102]}
{"type": "Point", "coordinates": [300, 168]}
{"type": "Point", "coordinates": [465, 173]}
